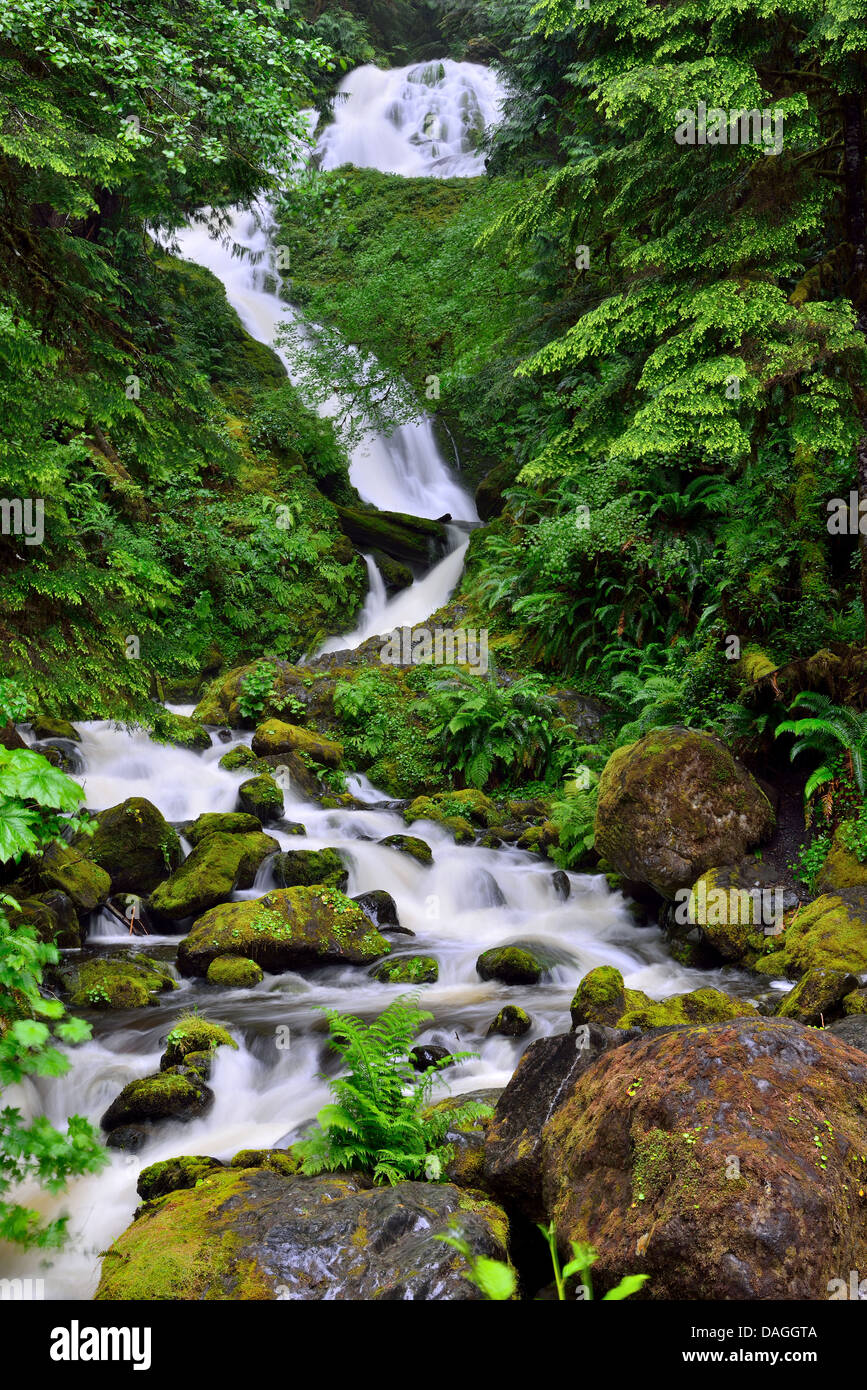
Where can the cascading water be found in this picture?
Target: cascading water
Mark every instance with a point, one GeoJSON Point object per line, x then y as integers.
{"type": "Point", "coordinates": [417, 121]}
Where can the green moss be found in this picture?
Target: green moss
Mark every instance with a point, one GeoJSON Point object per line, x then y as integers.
{"type": "Point", "coordinates": [219, 863]}
{"type": "Point", "coordinates": [227, 822]}
{"type": "Point", "coordinates": [235, 972]}
{"type": "Point", "coordinates": [174, 1175]}
{"type": "Point", "coordinates": [65, 867]}
{"type": "Point", "coordinates": [409, 844]}
{"type": "Point", "coordinates": [107, 982]}
{"type": "Point", "coordinates": [134, 844]}
{"type": "Point", "coordinates": [180, 731]}
{"type": "Point", "coordinates": [242, 757]}
{"type": "Point", "coordinates": [510, 964]}
{"type": "Point", "coordinates": [275, 1160]}
{"type": "Point", "coordinates": [194, 1034]}
{"type": "Point", "coordinates": [275, 737]}
{"type": "Point", "coordinates": [306, 867]}
{"type": "Point", "coordinates": [261, 797]}
{"type": "Point", "coordinates": [407, 970]}
{"type": "Point", "coordinates": [602, 998]}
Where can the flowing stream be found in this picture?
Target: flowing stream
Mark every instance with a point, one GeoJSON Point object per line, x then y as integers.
{"type": "Point", "coordinates": [414, 121]}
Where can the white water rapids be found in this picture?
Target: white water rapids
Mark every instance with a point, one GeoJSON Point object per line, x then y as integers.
{"type": "Point", "coordinates": [413, 121]}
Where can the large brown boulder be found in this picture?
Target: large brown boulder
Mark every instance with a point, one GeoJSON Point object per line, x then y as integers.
{"type": "Point", "coordinates": [674, 805]}
{"type": "Point", "coordinates": [726, 1162]}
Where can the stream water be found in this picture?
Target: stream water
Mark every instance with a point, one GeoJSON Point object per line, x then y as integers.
{"type": "Point", "coordinates": [470, 899]}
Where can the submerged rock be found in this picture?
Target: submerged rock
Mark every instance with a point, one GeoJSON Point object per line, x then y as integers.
{"type": "Point", "coordinates": [246, 1233]}
{"type": "Point", "coordinates": [674, 805]}
{"type": "Point", "coordinates": [511, 1022]}
{"type": "Point", "coordinates": [287, 929]}
{"type": "Point", "coordinates": [134, 844]}
{"type": "Point", "coordinates": [116, 982]}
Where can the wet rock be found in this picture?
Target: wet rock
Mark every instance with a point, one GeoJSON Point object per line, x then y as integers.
{"type": "Point", "coordinates": [407, 970]}
{"type": "Point", "coordinates": [312, 689]}
{"type": "Point", "coordinates": [513, 1152]}
{"type": "Point", "coordinates": [274, 737]}
{"type": "Point", "coordinates": [116, 982]}
{"type": "Point", "coordinates": [287, 929]}
{"type": "Point", "coordinates": [381, 908]}
{"type": "Point", "coordinates": [241, 758]}
{"type": "Point", "coordinates": [64, 756]}
{"type": "Point", "coordinates": [134, 844]}
{"type": "Point", "coordinates": [739, 909]}
{"type": "Point", "coordinates": [10, 737]}
{"type": "Point", "coordinates": [65, 868]}
{"type": "Point", "coordinates": [129, 1138]}
{"type": "Point", "coordinates": [511, 1022]}
{"type": "Point", "coordinates": [467, 1138]}
{"type": "Point", "coordinates": [44, 726]}
{"type": "Point", "coordinates": [160, 1097]}
{"type": "Point", "coordinates": [234, 972]}
{"type": "Point", "coordinates": [426, 1055]}
{"type": "Point", "coordinates": [562, 886]}
{"type": "Point", "coordinates": [830, 932]}
{"type": "Point", "coordinates": [851, 1030]}
{"type": "Point", "coordinates": [485, 891]}
{"type": "Point", "coordinates": [419, 850]}
{"type": "Point", "coordinates": [280, 1161]}
{"type": "Point", "coordinates": [725, 1162]}
{"type": "Point", "coordinates": [511, 965]}
{"type": "Point", "coordinates": [225, 735]}
{"type": "Point", "coordinates": [261, 797]}
{"type": "Point", "coordinates": [841, 869]}
{"type": "Point", "coordinates": [602, 998]}
{"type": "Point", "coordinates": [218, 865]}
{"type": "Point", "coordinates": [254, 1234]}
{"type": "Point", "coordinates": [54, 916]}
{"type": "Point", "coordinates": [817, 997]}
{"type": "Point", "coordinates": [174, 1175]}
{"type": "Point", "coordinates": [410, 539]}
{"type": "Point", "coordinates": [305, 867]}
{"type": "Point", "coordinates": [674, 805]}
{"type": "Point", "coordinates": [226, 822]}
{"type": "Point", "coordinates": [181, 731]}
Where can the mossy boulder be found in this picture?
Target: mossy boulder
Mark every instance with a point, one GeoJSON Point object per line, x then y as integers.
{"type": "Point", "coordinates": [287, 929]}
{"type": "Point", "coordinates": [116, 982]}
{"type": "Point", "coordinates": [241, 758]}
{"type": "Point", "coordinates": [274, 737]}
{"type": "Point", "coordinates": [740, 910]}
{"type": "Point", "coordinates": [64, 867]}
{"type": "Point", "coordinates": [306, 867]}
{"type": "Point", "coordinates": [818, 996]}
{"type": "Point", "coordinates": [511, 1022]}
{"type": "Point", "coordinates": [459, 811]}
{"type": "Point", "coordinates": [466, 1137]}
{"type": "Point", "coordinates": [602, 998]}
{"type": "Point", "coordinates": [407, 970]}
{"type": "Point", "coordinates": [539, 839]}
{"type": "Point", "coordinates": [234, 972]}
{"type": "Point", "coordinates": [181, 731]}
{"type": "Point", "coordinates": [227, 822]}
{"type": "Point", "coordinates": [511, 965]}
{"type": "Point", "coordinates": [165, 1096]}
{"type": "Point", "coordinates": [856, 1002]}
{"type": "Point", "coordinates": [193, 1034]}
{"type": "Point", "coordinates": [724, 1161]}
{"type": "Point", "coordinates": [426, 808]}
{"type": "Point", "coordinates": [219, 864]}
{"type": "Point", "coordinates": [841, 869]}
{"type": "Point", "coordinates": [830, 933]}
{"type": "Point", "coordinates": [135, 846]}
{"type": "Point", "coordinates": [675, 804]}
{"type": "Point", "coordinates": [255, 1234]}
{"type": "Point", "coordinates": [174, 1175]}
{"type": "Point", "coordinates": [417, 849]}
{"type": "Point", "coordinates": [53, 914]}
{"type": "Point", "coordinates": [261, 797]}
{"type": "Point", "coordinates": [44, 726]}
{"type": "Point", "coordinates": [412, 540]}
{"type": "Point", "coordinates": [313, 690]}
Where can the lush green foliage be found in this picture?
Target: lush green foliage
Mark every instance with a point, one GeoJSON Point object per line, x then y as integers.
{"type": "Point", "coordinates": [378, 1119]}
{"type": "Point", "coordinates": [829, 730]}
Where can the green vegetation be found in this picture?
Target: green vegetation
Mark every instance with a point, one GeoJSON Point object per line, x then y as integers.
{"type": "Point", "coordinates": [378, 1119]}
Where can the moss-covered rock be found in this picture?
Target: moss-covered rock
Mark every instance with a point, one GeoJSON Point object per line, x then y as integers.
{"type": "Point", "coordinates": [235, 972]}
{"type": "Point", "coordinates": [281, 1161]}
{"type": "Point", "coordinates": [511, 965]}
{"type": "Point", "coordinates": [724, 1161]}
{"type": "Point", "coordinates": [274, 737]}
{"type": "Point", "coordinates": [53, 915]}
{"type": "Point", "coordinates": [65, 868]}
{"type": "Point", "coordinates": [603, 999]}
{"type": "Point", "coordinates": [407, 970]}
{"type": "Point", "coordinates": [219, 864]}
{"type": "Point", "coordinates": [174, 1175]}
{"type": "Point", "coordinates": [511, 1022]}
{"type": "Point", "coordinates": [314, 690]}
{"type": "Point", "coordinates": [116, 982]}
{"type": "Point", "coordinates": [426, 808]}
{"type": "Point", "coordinates": [818, 996]}
{"type": "Point", "coordinates": [412, 540]}
{"type": "Point", "coordinates": [181, 731]}
{"type": "Point", "coordinates": [538, 839]}
{"type": "Point", "coordinates": [227, 822]}
{"type": "Point", "coordinates": [841, 869]}
{"type": "Point", "coordinates": [165, 1096]}
{"type": "Point", "coordinates": [675, 804]}
{"type": "Point", "coordinates": [255, 1234]}
{"type": "Point", "coordinates": [44, 726]}
{"type": "Point", "coordinates": [418, 849]}
{"type": "Point", "coordinates": [306, 867]}
{"type": "Point", "coordinates": [286, 929]}
{"type": "Point", "coordinates": [830, 933]}
{"type": "Point", "coordinates": [261, 797]}
{"type": "Point", "coordinates": [135, 846]}
{"type": "Point", "coordinates": [457, 811]}
{"type": "Point", "coordinates": [241, 758]}
{"type": "Point", "coordinates": [856, 1002]}
{"type": "Point", "coordinates": [740, 910]}
{"type": "Point", "coordinates": [193, 1034]}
